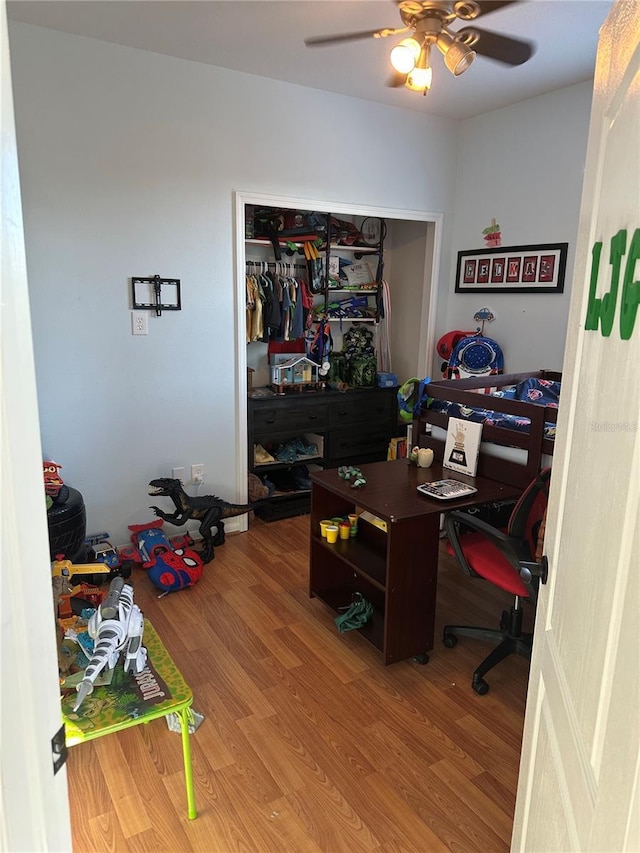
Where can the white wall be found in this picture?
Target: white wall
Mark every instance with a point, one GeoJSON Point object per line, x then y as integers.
{"type": "Point", "coordinates": [524, 166]}
{"type": "Point", "coordinates": [128, 164]}
{"type": "Point", "coordinates": [409, 240]}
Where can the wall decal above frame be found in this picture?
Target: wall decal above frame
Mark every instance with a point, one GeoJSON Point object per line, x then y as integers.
{"type": "Point", "coordinates": [513, 269]}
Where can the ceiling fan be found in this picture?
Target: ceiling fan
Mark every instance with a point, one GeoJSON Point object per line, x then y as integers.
{"type": "Point", "coordinates": [429, 22]}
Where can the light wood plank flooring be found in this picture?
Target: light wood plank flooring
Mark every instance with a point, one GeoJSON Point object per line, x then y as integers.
{"type": "Point", "coordinates": [308, 744]}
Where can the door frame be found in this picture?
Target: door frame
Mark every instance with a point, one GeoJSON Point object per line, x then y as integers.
{"type": "Point", "coordinates": [34, 814]}
{"type": "Point", "coordinates": [580, 763]}
{"type": "Point", "coordinates": [426, 342]}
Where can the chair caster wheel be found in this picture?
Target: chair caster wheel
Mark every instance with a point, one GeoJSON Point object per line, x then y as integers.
{"type": "Point", "coordinates": [450, 640]}
{"type": "Point", "coordinates": [480, 686]}
{"type": "Point", "coordinates": [422, 659]}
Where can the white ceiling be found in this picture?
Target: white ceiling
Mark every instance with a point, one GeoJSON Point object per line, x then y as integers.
{"type": "Point", "coordinates": [266, 37]}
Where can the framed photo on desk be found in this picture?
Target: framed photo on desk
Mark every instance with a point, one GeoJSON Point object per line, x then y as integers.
{"type": "Point", "coordinates": [462, 446]}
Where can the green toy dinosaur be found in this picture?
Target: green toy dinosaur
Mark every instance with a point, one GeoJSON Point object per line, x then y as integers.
{"type": "Point", "coordinates": [209, 510]}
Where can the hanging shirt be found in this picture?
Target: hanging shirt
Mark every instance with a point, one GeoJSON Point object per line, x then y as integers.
{"type": "Point", "coordinates": [272, 313]}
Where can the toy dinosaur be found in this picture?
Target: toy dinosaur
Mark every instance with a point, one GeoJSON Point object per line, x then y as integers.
{"type": "Point", "coordinates": [209, 510]}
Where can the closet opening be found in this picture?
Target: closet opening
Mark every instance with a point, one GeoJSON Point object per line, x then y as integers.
{"type": "Point", "coordinates": [411, 248]}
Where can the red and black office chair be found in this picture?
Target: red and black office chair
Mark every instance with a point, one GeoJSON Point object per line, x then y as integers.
{"type": "Point", "coordinates": [507, 560]}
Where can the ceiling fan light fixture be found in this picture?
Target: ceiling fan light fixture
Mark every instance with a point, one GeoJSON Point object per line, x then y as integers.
{"type": "Point", "coordinates": [405, 55]}
{"type": "Point", "coordinates": [419, 80]}
{"type": "Point", "coordinates": [444, 40]}
{"type": "Point", "coordinates": [458, 58]}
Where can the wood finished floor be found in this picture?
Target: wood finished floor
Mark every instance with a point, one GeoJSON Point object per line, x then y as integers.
{"type": "Point", "coordinates": [309, 743]}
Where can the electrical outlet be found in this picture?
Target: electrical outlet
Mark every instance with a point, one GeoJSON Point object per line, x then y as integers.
{"type": "Point", "coordinates": [139, 323]}
{"type": "Point", "coordinates": [178, 474]}
{"type": "Point", "coordinates": [197, 473]}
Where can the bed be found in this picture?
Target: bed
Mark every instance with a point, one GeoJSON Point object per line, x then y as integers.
{"type": "Point", "coordinates": [518, 412]}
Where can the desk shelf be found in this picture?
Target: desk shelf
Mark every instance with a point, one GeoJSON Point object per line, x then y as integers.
{"type": "Point", "coordinates": [357, 555]}
{"type": "Point", "coordinates": [339, 595]}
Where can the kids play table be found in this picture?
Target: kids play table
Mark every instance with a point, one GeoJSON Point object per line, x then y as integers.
{"type": "Point", "coordinates": [130, 699]}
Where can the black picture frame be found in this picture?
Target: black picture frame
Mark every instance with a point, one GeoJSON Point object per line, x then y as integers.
{"type": "Point", "coordinates": [513, 269]}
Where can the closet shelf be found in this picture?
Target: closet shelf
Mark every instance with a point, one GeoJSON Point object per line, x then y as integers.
{"type": "Point", "coordinates": [335, 248]}
{"type": "Point", "coordinates": [283, 466]}
{"type": "Point", "coordinates": [372, 291]}
{"type": "Point", "coordinates": [371, 320]}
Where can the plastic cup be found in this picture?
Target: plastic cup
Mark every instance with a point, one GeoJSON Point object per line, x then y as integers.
{"type": "Point", "coordinates": [353, 521]}
{"type": "Point", "coordinates": [345, 529]}
{"type": "Point", "coordinates": [332, 533]}
{"type": "Point", "coordinates": [336, 520]}
{"type": "Point", "coordinates": [323, 527]}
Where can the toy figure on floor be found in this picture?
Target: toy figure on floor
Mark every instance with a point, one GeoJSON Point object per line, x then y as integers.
{"type": "Point", "coordinates": [209, 510]}
{"type": "Point", "coordinates": [170, 563]}
{"type": "Point", "coordinates": [54, 488]}
{"type": "Point", "coordinates": [117, 625]}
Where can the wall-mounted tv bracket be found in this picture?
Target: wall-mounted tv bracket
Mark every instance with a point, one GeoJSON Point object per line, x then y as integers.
{"type": "Point", "coordinates": [155, 293]}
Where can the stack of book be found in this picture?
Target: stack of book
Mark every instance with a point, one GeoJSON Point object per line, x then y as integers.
{"type": "Point", "coordinates": [397, 449]}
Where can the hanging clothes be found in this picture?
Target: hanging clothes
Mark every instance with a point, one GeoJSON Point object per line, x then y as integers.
{"type": "Point", "coordinates": [297, 317]}
{"type": "Point", "coordinates": [251, 294]}
{"type": "Point", "coordinates": [277, 302]}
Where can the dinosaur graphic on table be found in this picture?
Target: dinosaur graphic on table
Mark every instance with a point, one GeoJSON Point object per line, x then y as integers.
{"type": "Point", "coordinates": [209, 510]}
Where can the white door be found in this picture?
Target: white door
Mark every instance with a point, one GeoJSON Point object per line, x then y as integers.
{"type": "Point", "coordinates": [579, 787]}
{"type": "Point", "coordinates": [34, 812]}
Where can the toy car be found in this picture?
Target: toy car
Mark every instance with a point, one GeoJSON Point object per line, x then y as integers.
{"type": "Point", "coordinates": [104, 552]}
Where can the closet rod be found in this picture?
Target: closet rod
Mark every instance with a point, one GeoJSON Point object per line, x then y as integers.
{"type": "Point", "coordinates": [273, 264]}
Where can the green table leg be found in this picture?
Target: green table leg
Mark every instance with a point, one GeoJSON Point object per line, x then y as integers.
{"type": "Point", "coordinates": [183, 716]}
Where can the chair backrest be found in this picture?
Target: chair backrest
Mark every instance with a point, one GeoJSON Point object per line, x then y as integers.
{"type": "Point", "coordinates": [528, 513]}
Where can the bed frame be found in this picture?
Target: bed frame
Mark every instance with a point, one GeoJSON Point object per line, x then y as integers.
{"type": "Point", "coordinates": [533, 444]}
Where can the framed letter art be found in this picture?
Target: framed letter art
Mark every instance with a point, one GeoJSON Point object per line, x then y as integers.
{"type": "Point", "coordinates": [513, 269]}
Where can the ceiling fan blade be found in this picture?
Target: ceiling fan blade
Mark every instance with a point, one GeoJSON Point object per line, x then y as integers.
{"type": "Point", "coordinates": [487, 6]}
{"type": "Point", "coordinates": [320, 41]}
{"type": "Point", "coordinates": [505, 49]}
{"type": "Point", "coordinates": [396, 80]}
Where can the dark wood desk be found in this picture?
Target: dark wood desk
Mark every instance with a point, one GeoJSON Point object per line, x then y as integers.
{"type": "Point", "coordinates": [395, 570]}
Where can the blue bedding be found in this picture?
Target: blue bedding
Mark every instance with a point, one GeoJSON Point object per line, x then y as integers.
{"type": "Point", "coordinates": [540, 392]}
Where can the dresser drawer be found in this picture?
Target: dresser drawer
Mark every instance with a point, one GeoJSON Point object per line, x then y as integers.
{"type": "Point", "coordinates": [366, 408]}
{"type": "Point", "coordinates": [291, 418]}
{"type": "Point", "coordinates": [352, 443]}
